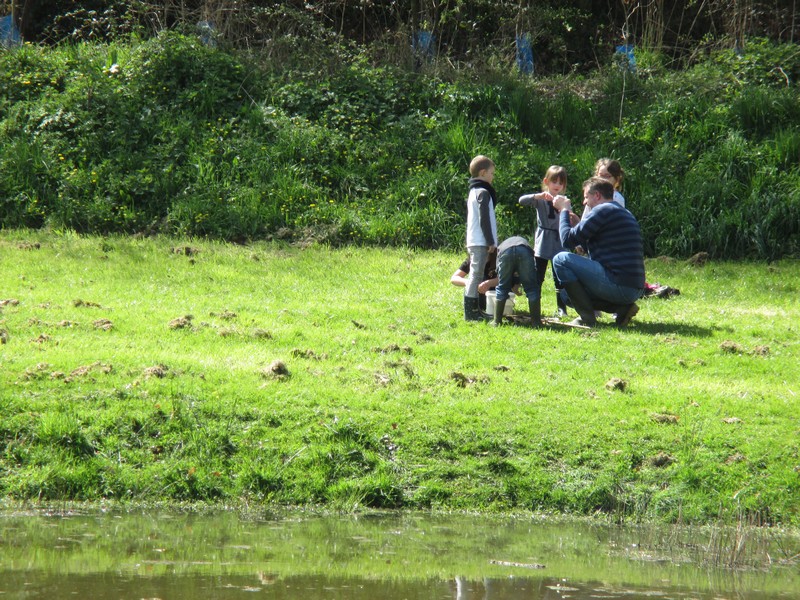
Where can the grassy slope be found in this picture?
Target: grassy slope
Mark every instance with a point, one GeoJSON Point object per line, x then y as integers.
{"type": "Point", "coordinates": [370, 413]}
{"type": "Point", "coordinates": [182, 139]}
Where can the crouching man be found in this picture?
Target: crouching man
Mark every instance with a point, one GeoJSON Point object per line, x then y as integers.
{"type": "Point", "coordinates": [611, 277]}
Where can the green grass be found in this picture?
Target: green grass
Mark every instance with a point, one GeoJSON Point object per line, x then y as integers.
{"type": "Point", "coordinates": [391, 400]}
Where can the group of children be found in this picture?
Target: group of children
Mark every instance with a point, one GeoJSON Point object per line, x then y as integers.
{"type": "Point", "coordinates": [516, 262]}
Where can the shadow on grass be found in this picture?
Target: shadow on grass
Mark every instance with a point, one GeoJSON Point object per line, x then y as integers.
{"type": "Point", "coordinates": [686, 329]}
{"type": "Point", "coordinates": [673, 328]}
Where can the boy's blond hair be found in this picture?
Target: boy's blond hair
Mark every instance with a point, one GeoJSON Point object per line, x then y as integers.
{"type": "Point", "coordinates": [478, 164]}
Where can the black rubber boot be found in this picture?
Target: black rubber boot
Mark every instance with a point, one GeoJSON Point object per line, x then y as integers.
{"type": "Point", "coordinates": [535, 308]}
{"type": "Point", "coordinates": [499, 309]}
{"type": "Point", "coordinates": [581, 303]}
{"type": "Point", "coordinates": [472, 310]}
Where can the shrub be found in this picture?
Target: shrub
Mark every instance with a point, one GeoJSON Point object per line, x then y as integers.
{"type": "Point", "coordinates": [174, 135]}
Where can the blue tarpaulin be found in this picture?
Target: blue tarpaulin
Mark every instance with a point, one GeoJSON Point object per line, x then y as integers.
{"type": "Point", "coordinates": [524, 54]}
{"type": "Point", "coordinates": [9, 34]}
{"type": "Point", "coordinates": [207, 33]}
{"type": "Point", "coordinates": [424, 44]}
{"type": "Point", "coordinates": [626, 58]}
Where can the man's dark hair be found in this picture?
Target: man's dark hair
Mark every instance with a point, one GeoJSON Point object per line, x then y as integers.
{"type": "Point", "coordinates": [597, 184]}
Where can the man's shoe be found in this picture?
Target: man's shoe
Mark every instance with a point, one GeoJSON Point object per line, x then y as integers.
{"type": "Point", "coordinates": [624, 317]}
{"type": "Point", "coordinates": [581, 303]}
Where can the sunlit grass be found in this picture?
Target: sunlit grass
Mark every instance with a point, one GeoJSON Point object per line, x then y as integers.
{"type": "Point", "coordinates": [185, 370]}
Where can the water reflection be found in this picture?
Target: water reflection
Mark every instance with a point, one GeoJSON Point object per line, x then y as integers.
{"type": "Point", "coordinates": [396, 556]}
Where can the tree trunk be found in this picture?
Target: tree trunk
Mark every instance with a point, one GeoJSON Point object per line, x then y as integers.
{"type": "Point", "coordinates": [24, 15]}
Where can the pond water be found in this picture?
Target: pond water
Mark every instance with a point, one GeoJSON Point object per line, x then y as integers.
{"type": "Point", "coordinates": [176, 556]}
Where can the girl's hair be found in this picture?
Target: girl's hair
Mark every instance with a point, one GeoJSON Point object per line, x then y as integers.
{"type": "Point", "coordinates": [614, 169]}
{"type": "Point", "coordinates": [556, 173]}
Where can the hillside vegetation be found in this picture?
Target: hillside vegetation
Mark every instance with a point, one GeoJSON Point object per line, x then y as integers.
{"type": "Point", "coordinates": [171, 135]}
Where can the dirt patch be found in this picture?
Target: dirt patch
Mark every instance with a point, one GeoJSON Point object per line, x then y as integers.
{"type": "Point", "coordinates": [310, 354]}
{"type": "Point", "coordinates": [181, 322]}
{"type": "Point", "coordinates": [664, 418]}
{"type": "Point", "coordinates": [422, 337]}
{"type": "Point", "coordinates": [277, 369]}
{"type": "Point", "coordinates": [616, 384]}
{"type": "Point", "coordinates": [9, 302]}
{"type": "Point", "coordinates": [29, 245]}
{"type": "Point", "coordinates": [730, 347]}
{"type": "Point", "coordinates": [3, 336]}
{"type": "Point", "coordinates": [103, 324]}
{"type": "Point", "coordinates": [37, 372]}
{"type": "Point", "coordinates": [662, 459]}
{"type": "Point", "coordinates": [96, 366]}
{"type": "Point", "coordinates": [699, 259]}
{"type": "Point", "coordinates": [402, 365]}
{"type": "Point", "coordinates": [382, 379]}
{"type": "Point", "coordinates": [78, 303]}
{"type": "Point", "coordinates": [465, 380]}
{"type": "Point", "coordinates": [225, 314]}
{"type": "Point", "coordinates": [731, 420]}
{"type": "Point", "coordinates": [735, 458]}
{"type": "Point", "coordinates": [262, 334]}
{"type": "Point", "coordinates": [86, 370]}
{"type": "Point", "coordinates": [392, 348]}
{"type": "Point", "coordinates": [159, 371]}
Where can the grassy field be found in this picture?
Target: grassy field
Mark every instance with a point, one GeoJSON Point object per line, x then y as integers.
{"type": "Point", "coordinates": [163, 370]}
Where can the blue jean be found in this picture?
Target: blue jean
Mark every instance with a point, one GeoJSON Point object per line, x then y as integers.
{"type": "Point", "coordinates": [592, 275]}
{"type": "Point", "coordinates": [478, 255]}
{"type": "Point", "coordinates": [520, 260]}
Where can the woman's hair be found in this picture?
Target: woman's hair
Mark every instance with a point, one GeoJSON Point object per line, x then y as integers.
{"type": "Point", "coordinates": [556, 173]}
{"type": "Point", "coordinates": [614, 169]}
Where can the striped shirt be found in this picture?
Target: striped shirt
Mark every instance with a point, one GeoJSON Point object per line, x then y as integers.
{"type": "Point", "coordinates": [611, 236]}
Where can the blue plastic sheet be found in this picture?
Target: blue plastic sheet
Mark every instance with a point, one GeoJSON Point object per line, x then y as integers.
{"type": "Point", "coordinates": [524, 54]}
{"type": "Point", "coordinates": [207, 33]}
{"type": "Point", "coordinates": [9, 34]}
{"type": "Point", "coordinates": [627, 58]}
{"type": "Point", "coordinates": [424, 44]}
